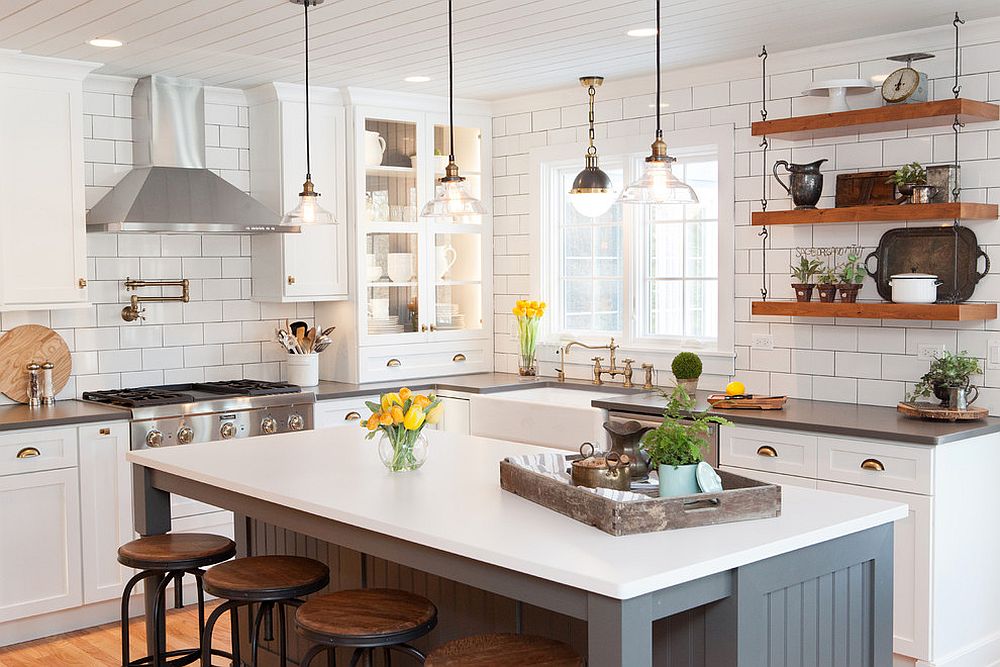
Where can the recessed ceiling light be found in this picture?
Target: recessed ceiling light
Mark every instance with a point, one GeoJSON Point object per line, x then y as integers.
{"type": "Point", "coordinates": [417, 79]}
{"type": "Point", "coordinates": [105, 43]}
{"type": "Point", "coordinates": [641, 32]}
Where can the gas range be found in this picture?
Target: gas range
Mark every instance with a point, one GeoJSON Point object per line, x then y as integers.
{"type": "Point", "coordinates": [183, 414]}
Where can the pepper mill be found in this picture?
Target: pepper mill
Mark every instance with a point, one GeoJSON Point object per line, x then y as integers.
{"type": "Point", "coordinates": [48, 384]}
{"type": "Point", "coordinates": [34, 385]}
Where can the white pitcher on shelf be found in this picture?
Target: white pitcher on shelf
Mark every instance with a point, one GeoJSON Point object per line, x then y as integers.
{"type": "Point", "coordinates": [446, 256]}
{"type": "Point", "coordinates": [374, 148]}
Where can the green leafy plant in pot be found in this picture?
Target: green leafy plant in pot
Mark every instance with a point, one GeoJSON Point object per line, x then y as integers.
{"type": "Point", "coordinates": [804, 272]}
{"type": "Point", "coordinates": [687, 368]}
{"type": "Point", "coordinates": [911, 181]}
{"type": "Point", "coordinates": [676, 446]}
{"type": "Point", "coordinates": [851, 276]}
{"type": "Point", "coordinates": [946, 371]}
{"type": "Point", "coordinates": [827, 283]}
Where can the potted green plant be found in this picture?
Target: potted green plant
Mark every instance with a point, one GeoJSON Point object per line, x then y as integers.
{"type": "Point", "coordinates": [911, 181]}
{"type": "Point", "coordinates": [687, 368]}
{"type": "Point", "coordinates": [946, 371]}
{"type": "Point", "coordinates": [804, 272]}
{"type": "Point", "coordinates": [850, 276]}
{"type": "Point", "coordinates": [676, 446]}
{"type": "Point", "coordinates": [827, 283]}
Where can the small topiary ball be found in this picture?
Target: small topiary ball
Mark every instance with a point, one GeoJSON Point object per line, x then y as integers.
{"type": "Point", "coordinates": [686, 366]}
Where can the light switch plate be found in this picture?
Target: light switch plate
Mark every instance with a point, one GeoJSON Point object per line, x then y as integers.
{"type": "Point", "coordinates": [993, 354]}
{"type": "Point", "coordinates": [929, 351]}
{"type": "Point", "coordinates": [762, 342]}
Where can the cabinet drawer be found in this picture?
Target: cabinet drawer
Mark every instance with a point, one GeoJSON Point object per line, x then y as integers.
{"type": "Point", "coordinates": [772, 477]}
{"type": "Point", "coordinates": [769, 450]}
{"type": "Point", "coordinates": [37, 449]}
{"type": "Point", "coordinates": [341, 411]}
{"type": "Point", "coordinates": [877, 464]}
{"type": "Point", "coordinates": [391, 363]}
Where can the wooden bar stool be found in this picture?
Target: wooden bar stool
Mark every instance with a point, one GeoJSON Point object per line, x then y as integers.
{"type": "Point", "coordinates": [173, 556]}
{"type": "Point", "coordinates": [365, 620]}
{"type": "Point", "coordinates": [269, 581]}
{"type": "Point", "coordinates": [503, 650]}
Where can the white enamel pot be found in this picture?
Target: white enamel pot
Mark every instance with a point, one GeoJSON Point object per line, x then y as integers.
{"type": "Point", "coordinates": [914, 287]}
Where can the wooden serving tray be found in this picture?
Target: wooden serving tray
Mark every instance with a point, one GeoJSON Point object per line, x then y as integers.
{"type": "Point", "coordinates": [743, 499]}
{"type": "Point", "coordinates": [921, 410]}
{"type": "Point", "coordinates": [723, 401]}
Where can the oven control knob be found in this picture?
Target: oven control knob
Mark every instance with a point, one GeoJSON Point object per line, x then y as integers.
{"type": "Point", "coordinates": [227, 430]}
{"type": "Point", "coordinates": [269, 425]}
{"type": "Point", "coordinates": [154, 438]}
{"type": "Point", "coordinates": [185, 435]}
{"type": "Point", "coordinates": [296, 423]}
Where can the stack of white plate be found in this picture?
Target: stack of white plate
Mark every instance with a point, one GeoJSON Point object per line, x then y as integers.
{"type": "Point", "coordinates": [384, 325]}
{"type": "Point", "coordinates": [448, 316]}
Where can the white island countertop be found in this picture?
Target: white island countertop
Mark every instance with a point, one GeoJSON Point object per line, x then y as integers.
{"type": "Point", "coordinates": [454, 503]}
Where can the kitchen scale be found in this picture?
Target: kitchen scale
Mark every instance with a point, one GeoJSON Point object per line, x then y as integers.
{"type": "Point", "coordinates": [906, 85]}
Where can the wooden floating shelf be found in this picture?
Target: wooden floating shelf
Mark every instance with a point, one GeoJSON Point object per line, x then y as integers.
{"type": "Point", "coordinates": [945, 211]}
{"type": "Point", "coordinates": [878, 119]}
{"type": "Point", "coordinates": [951, 312]}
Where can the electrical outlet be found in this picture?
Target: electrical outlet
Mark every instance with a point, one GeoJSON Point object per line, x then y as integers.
{"type": "Point", "coordinates": [993, 354]}
{"type": "Point", "coordinates": [929, 351]}
{"type": "Point", "coordinates": [762, 342]}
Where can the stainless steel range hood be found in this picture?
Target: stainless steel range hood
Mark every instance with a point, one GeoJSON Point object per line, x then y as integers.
{"type": "Point", "coordinates": [170, 190]}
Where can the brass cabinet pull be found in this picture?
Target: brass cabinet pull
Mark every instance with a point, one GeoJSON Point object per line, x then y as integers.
{"type": "Point", "coordinates": [28, 453]}
{"type": "Point", "coordinates": [873, 465]}
{"type": "Point", "coordinates": [768, 451]}
{"type": "Point", "coordinates": [393, 363]}
{"type": "Point", "coordinates": [352, 416]}
{"type": "Point", "coordinates": [433, 327]}
{"type": "Point", "coordinates": [291, 280]}
{"type": "Point", "coordinates": [105, 431]}
{"type": "Point", "coordinates": [423, 327]}
{"type": "Point", "coordinates": [458, 357]}
{"type": "Point", "coordinates": [82, 282]}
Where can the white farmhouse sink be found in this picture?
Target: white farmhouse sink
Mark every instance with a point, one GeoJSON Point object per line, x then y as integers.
{"type": "Point", "coordinates": [552, 416]}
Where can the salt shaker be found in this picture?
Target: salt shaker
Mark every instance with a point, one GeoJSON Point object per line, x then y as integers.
{"type": "Point", "coordinates": [48, 384]}
{"type": "Point", "coordinates": [34, 385]}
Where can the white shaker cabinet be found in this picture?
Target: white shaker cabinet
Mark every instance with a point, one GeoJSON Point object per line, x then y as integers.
{"type": "Point", "coordinates": [105, 508]}
{"type": "Point", "coordinates": [42, 184]}
{"type": "Point", "coordinates": [313, 264]}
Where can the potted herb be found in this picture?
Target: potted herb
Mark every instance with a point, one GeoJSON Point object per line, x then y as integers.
{"type": "Point", "coordinates": [851, 275]}
{"type": "Point", "coordinates": [804, 273]}
{"type": "Point", "coordinates": [676, 446]}
{"type": "Point", "coordinates": [911, 181]}
{"type": "Point", "coordinates": [687, 369]}
{"type": "Point", "coordinates": [827, 283]}
{"type": "Point", "coordinates": [946, 371]}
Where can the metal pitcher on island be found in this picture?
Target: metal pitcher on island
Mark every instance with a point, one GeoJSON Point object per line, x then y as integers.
{"type": "Point", "coordinates": [805, 182]}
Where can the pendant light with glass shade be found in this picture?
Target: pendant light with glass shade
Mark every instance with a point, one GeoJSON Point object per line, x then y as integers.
{"type": "Point", "coordinates": [591, 194]}
{"type": "Point", "coordinates": [308, 212]}
{"type": "Point", "coordinates": [658, 184]}
{"type": "Point", "coordinates": [451, 199]}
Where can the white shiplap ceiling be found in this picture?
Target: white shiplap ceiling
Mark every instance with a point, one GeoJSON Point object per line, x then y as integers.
{"type": "Point", "coordinates": [503, 47]}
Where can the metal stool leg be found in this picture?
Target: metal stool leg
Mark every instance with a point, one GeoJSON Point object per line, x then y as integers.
{"type": "Point", "coordinates": [409, 650]}
{"type": "Point", "coordinates": [126, 599]}
{"type": "Point", "coordinates": [159, 650]}
{"type": "Point", "coordinates": [258, 619]}
{"type": "Point", "coordinates": [315, 650]}
{"type": "Point", "coordinates": [206, 637]}
{"type": "Point", "coordinates": [282, 637]}
{"type": "Point", "coordinates": [179, 591]}
{"type": "Point", "coordinates": [356, 657]}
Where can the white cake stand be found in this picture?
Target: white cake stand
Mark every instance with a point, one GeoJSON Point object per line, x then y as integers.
{"type": "Point", "coordinates": [838, 90]}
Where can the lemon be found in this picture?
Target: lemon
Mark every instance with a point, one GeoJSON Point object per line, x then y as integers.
{"type": "Point", "coordinates": [735, 389]}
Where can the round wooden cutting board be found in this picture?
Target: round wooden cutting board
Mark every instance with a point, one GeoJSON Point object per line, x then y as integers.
{"type": "Point", "coordinates": [22, 345]}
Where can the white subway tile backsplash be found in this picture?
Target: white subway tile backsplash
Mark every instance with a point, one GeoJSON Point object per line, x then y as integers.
{"type": "Point", "coordinates": [181, 245]}
{"type": "Point", "coordinates": [841, 390]}
{"type": "Point", "coordinates": [118, 361]}
{"type": "Point", "coordinates": [161, 358]}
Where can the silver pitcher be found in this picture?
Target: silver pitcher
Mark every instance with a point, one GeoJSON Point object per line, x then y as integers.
{"type": "Point", "coordinates": [805, 182]}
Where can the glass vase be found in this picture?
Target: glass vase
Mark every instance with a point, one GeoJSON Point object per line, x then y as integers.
{"type": "Point", "coordinates": [528, 337]}
{"type": "Point", "coordinates": [526, 365]}
{"type": "Point", "coordinates": [407, 450]}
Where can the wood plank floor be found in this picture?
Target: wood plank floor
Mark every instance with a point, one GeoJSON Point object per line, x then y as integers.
{"type": "Point", "coordinates": [100, 646]}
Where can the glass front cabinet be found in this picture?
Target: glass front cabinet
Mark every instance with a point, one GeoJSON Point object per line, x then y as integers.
{"type": "Point", "coordinates": [423, 305]}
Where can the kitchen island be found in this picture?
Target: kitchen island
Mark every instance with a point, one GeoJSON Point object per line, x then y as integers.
{"type": "Point", "coordinates": [815, 581]}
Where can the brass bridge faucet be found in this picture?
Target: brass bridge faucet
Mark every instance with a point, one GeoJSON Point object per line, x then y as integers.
{"type": "Point", "coordinates": [599, 371]}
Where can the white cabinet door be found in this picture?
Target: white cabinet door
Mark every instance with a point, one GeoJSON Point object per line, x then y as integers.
{"type": "Point", "coordinates": [39, 543]}
{"type": "Point", "coordinates": [340, 411]}
{"type": "Point", "coordinates": [911, 603]}
{"type": "Point", "coordinates": [43, 251]}
{"type": "Point", "coordinates": [105, 508]}
{"type": "Point", "coordinates": [456, 417]}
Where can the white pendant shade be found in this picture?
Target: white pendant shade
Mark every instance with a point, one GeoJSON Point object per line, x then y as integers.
{"type": "Point", "coordinates": [592, 204]}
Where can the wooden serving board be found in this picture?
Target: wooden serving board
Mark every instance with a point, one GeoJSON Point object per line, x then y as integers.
{"type": "Point", "coordinates": [725, 402]}
{"type": "Point", "coordinates": [920, 410]}
{"type": "Point", "coordinates": [22, 345]}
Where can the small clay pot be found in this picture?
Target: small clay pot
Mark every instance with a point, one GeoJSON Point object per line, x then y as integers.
{"type": "Point", "coordinates": [827, 292]}
{"type": "Point", "coordinates": [803, 291]}
{"type": "Point", "coordinates": [848, 293]}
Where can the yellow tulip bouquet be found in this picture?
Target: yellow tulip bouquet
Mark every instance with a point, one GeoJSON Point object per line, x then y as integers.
{"type": "Point", "coordinates": [528, 314]}
{"type": "Point", "coordinates": [400, 418]}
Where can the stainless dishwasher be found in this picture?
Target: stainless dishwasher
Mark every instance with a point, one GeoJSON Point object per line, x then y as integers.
{"type": "Point", "coordinates": [711, 452]}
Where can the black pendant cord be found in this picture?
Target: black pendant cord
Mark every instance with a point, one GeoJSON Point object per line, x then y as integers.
{"type": "Point", "coordinates": [305, 12]}
{"type": "Point", "coordinates": [956, 128]}
{"type": "Point", "coordinates": [451, 90]}
{"type": "Point", "coordinates": [659, 107]}
{"type": "Point", "coordinates": [765, 144]}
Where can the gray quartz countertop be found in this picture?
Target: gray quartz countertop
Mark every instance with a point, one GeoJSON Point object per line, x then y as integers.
{"type": "Point", "coordinates": [842, 419]}
{"type": "Point", "coordinates": [63, 413]}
